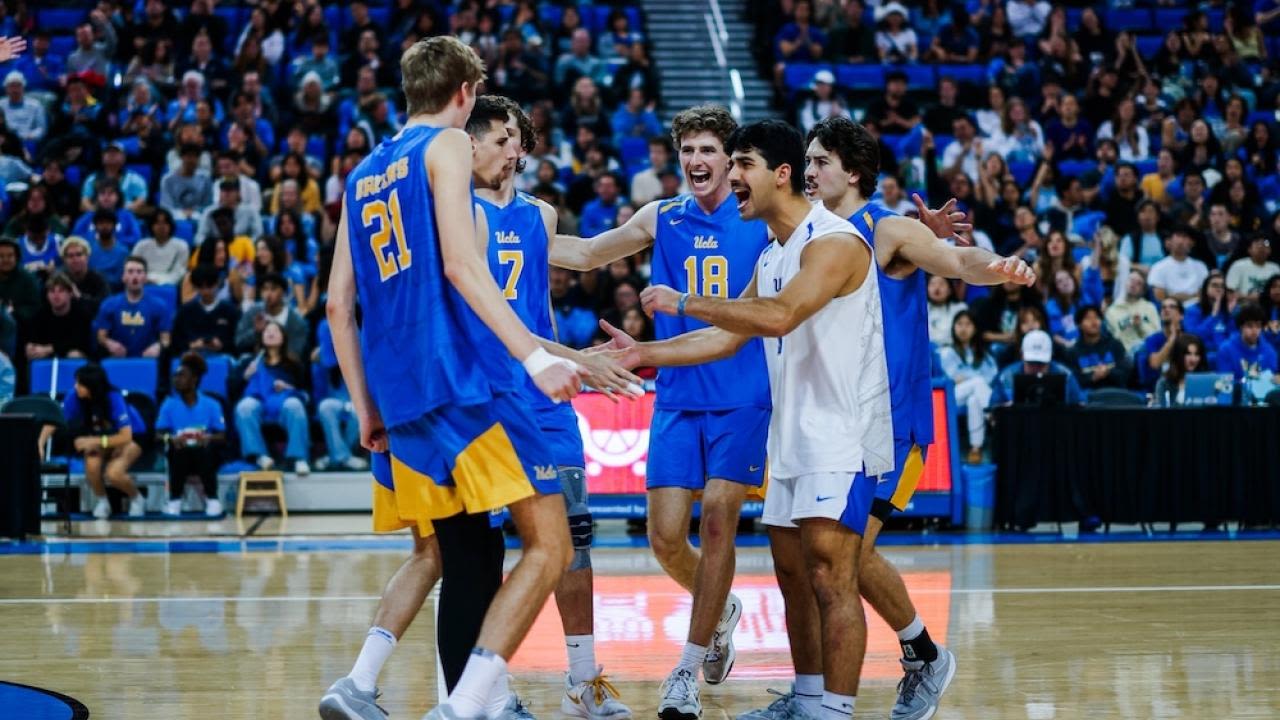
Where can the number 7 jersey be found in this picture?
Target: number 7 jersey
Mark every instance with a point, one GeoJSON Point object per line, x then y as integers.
{"type": "Point", "coordinates": [423, 347]}
{"type": "Point", "coordinates": [714, 256]}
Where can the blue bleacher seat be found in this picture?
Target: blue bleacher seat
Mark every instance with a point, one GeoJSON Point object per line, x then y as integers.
{"type": "Point", "coordinates": [139, 375]}
{"type": "Point", "coordinates": [798, 76]}
{"type": "Point", "coordinates": [1075, 168]}
{"type": "Point", "coordinates": [973, 74]}
{"type": "Point", "coordinates": [215, 378]}
{"type": "Point", "coordinates": [168, 294]}
{"type": "Point", "coordinates": [42, 374]}
{"type": "Point", "coordinates": [1145, 167]}
{"type": "Point", "coordinates": [1167, 19]}
{"type": "Point", "coordinates": [185, 230]}
{"type": "Point", "coordinates": [336, 19]}
{"type": "Point", "coordinates": [1216, 18]}
{"type": "Point", "coordinates": [74, 173]}
{"type": "Point", "coordinates": [1073, 18]}
{"type": "Point", "coordinates": [1086, 224]}
{"type": "Point", "coordinates": [634, 152]}
{"type": "Point", "coordinates": [1136, 19]}
{"type": "Point", "coordinates": [61, 45]}
{"type": "Point", "coordinates": [316, 146]}
{"type": "Point", "coordinates": [919, 77]}
{"type": "Point", "coordinates": [380, 16]}
{"type": "Point", "coordinates": [1266, 116]}
{"type": "Point", "coordinates": [1148, 45]}
{"type": "Point", "coordinates": [146, 171]}
{"type": "Point", "coordinates": [52, 19]}
{"type": "Point", "coordinates": [550, 15]}
{"type": "Point", "coordinates": [860, 77]}
{"type": "Point", "coordinates": [1023, 172]}
{"type": "Point", "coordinates": [508, 11]}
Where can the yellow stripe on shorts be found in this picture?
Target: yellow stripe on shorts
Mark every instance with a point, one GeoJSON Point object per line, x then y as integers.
{"type": "Point", "coordinates": [488, 474]}
{"type": "Point", "coordinates": [909, 478]}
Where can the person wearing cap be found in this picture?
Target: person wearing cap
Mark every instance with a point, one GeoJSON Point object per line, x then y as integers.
{"type": "Point", "coordinates": [896, 40]}
{"type": "Point", "coordinates": [24, 116]}
{"type": "Point", "coordinates": [187, 192]}
{"type": "Point", "coordinates": [823, 103]}
{"type": "Point", "coordinates": [247, 221]}
{"type": "Point", "coordinates": [1037, 359]}
{"type": "Point", "coordinates": [19, 292]}
{"type": "Point", "coordinates": [63, 325]}
{"type": "Point", "coordinates": [133, 187]}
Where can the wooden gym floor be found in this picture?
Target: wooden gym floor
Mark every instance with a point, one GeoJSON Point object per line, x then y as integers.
{"type": "Point", "coordinates": [1042, 631]}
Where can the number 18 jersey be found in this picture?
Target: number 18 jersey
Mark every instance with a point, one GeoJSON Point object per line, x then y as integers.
{"type": "Point", "coordinates": [423, 347]}
{"type": "Point", "coordinates": [713, 255]}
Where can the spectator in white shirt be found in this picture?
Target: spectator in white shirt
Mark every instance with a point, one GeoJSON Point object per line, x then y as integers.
{"type": "Point", "coordinates": [1134, 318]}
{"type": "Point", "coordinates": [963, 154]}
{"type": "Point", "coordinates": [166, 255]}
{"type": "Point", "coordinates": [823, 103]}
{"type": "Point", "coordinates": [1178, 276]}
{"type": "Point", "coordinates": [943, 308]}
{"type": "Point", "coordinates": [1028, 17]}
{"type": "Point", "coordinates": [24, 115]}
{"type": "Point", "coordinates": [1249, 274]}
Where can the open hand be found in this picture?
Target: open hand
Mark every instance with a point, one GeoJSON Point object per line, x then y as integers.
{"type": "Point", "coordinates": [602, 371]}
{"type": "Point", "coordinates": [945, 221]}
{"type": "Point", "coordinates": [659, 299]}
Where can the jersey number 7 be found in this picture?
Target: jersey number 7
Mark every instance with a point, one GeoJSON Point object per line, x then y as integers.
{"type": "Point", "coordinates": [387, 216]}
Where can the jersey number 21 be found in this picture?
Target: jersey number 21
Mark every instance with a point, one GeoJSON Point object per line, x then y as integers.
{"type": "Point", "coordinates": [387, 217]}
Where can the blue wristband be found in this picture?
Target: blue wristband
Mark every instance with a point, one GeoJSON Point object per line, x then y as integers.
{"type": "Point", "coordinates": [680, 305]}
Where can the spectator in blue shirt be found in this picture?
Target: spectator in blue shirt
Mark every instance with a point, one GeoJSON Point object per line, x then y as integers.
{"type": "Point", "coordinates": [44, 72]}
{"type": "Point", "coordinates": [1153, 357]}
{"type": "Point", "coordinates": [798, 41]}
{"type": "Point", "coordinates": [600, 214]}
{"type": "Point", "coordinates": [1098, 359]}
{"type": "Point", "coordinates": [1210, 316]}
{"type": "Point", "coordinates": [103, 427]}
{"type": "Point", "coordinates": [132, 324]}
{"type": "Point", "coordinates": [337, 417]}
{"type": "Point", "coordinates": [1037, 359]}
{"type": "Point", "coordinates": [575, 321]}
{"type": "Point", "coordinates": [40, 247]}
{"type": "Point", "coordinates": [1244, 355]}
{"type": "Point", "coordinates": [131, 186]}
{"type": "Point", "coordinates": [108, 253]}
{"type": "Point", "coordinates": [191, 424]}
{"type": "Point", "coordinates": [1269, 301]}
{"type": "Point", "coordinates": [636, 118]}
{"type": "Point", "coordinates": [7, 378]}
{"type": "Point", "coordinates": [127, 228]}
{"type": "Point", "coordinates": [274, 394]}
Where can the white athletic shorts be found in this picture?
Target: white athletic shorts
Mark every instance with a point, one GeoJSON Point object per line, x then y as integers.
{"type": "Point", "coordinates": [843, 497]}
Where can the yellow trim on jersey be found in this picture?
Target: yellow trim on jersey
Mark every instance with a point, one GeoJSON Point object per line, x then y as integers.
{"type": "Point", "coordinates": [670, 205]}
{"type": "Point", "coordinates": [488, 473]}
{"type": "Point", "coordinates": [386, 514]}
{"type": "Point", "coordinates": [866, 217]}
{"type": "Point", "coordinates": [909, 478]}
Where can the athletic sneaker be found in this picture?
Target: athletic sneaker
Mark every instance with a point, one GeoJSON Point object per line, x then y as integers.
{"type": "Point", "coordinates": [173, 508]}
{"type": "Point", "coordinates": [102, 508]}
{"type": "Point", "coordinates": [265, 462]}
{"type": "Point", "coordinates": [300, 467]}
{"type": "Point", "coordinates": [680, 697]}
{"type": "Point", "coordinates": [446, 712]}
{"type": "Point", "coordinates": [513, 710]}
{"type": "Point", "coordinates": [137, 506]}
{"type": "Point", "coordinates": [786, 707]}
{"type": "Point", "coordinates": [344, 701]}
{"type": "Point", "coordinates": [720, 656]}
{"type": "Point", "coordinates": [212, 507]}
{"type": "Point", "coordinates": [920, 690]}
{"type": "Point", "coordinates": [595, 699]}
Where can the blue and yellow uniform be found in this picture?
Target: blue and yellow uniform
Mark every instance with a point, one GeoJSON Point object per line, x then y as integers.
{"type": "Point", "coordinates": [518, 259]}
{"type": "Point", "coordinates": [460, 438]}
{"type": "Point", "coordinates": [906, 346]}
{"type": "Point", "coordinates": [710, 420]}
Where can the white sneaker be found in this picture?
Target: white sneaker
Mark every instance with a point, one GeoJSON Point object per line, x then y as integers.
{"type": "Point", "coordinates": [212, 507]}
{"type": "Point", "coordinates": [595, 699]}
{"type": "Point", "coordinates": [102, 509]}
{"type": "Point", "coordinates": [137, 506]}
{"type": "Point", "coordinates": [265, 462]}
{"type": "Point", "coordinates": [721, 654]}
{"type": "Point", "coordinates": [322, 463]}
{"type": "Point", "coordinates": [356, 464]}
{"type": "Point", "coordinates": [300, 467]}
{"type": "Point", "coordinates": [679, 694]}
{"type": "Point", "coordinates": [173, 508]}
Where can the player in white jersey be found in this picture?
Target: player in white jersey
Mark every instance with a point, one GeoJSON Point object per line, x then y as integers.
{"type": "Point", "coordinates": [816, 297]}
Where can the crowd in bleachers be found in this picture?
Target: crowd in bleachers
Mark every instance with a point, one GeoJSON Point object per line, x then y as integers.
{"type": "Point", "coordinates": [173, 174]}
{"type": "Point", "coordinates": [1128, 149]}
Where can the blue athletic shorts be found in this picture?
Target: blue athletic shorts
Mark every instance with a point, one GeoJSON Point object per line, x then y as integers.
{"type": "Point", "coordinates": [559, 427]}
{"type": "Point", "coordinates": [686, 447]}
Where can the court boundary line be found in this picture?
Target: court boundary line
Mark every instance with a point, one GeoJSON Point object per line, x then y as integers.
{"type": "Point", "coordinates": [1109, 589]}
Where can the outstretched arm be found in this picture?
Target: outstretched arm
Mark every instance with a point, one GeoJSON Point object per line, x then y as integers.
{"type": "Point", "coordinates": [575, 253]}
{"type": "Point", "coordinates": [918, 245]}
{"type": "Point", "coordinates": [693, 348]}
{"type": "Point", "coordinates": [830, 266]}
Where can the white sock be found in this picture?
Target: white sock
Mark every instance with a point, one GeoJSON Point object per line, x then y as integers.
{"type": "Point", "coordinates": [378, 646]}
{"type": "Point", "coordinates": [471, 694]}
{"type": "Point", "coordinates": [912, 631]}
{"type": "Point", "coordinates": [498, 696]}
{"type": "Point", "coordinates": [809, 693]}
{"type": "Point", "coordinates": [582, 657]}
{"type": "Point", "coordinates": [837, 707]}
{"type": "Point", "coordinates": [691, 658]}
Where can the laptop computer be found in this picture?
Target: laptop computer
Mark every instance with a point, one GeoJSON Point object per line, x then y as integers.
{"type": "Point", "coordinates": [1208, 389]}
{"type": "Point", "coordinates": [1048, 390]}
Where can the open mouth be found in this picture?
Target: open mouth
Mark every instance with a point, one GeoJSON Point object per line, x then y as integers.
{"type": "Point", "coordinates": [699, 179]}
{"type": "Point", "coordinates": [743, 196]}
{"type": "Point", "coordinates": [811, 189]}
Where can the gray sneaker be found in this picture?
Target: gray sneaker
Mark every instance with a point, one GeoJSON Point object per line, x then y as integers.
{"type": "Point", "coordinates": [680, 697]}
{"type": "Point", "coordinates": [779, 709]}
{"type": "Point", "coordinates": [344, 701]}
{"type": "Point", "coordinates": [514, 710]}
{"type": "Point", "coordinates": [920, 690]}
{"type": "Point", "coordinates": [446, 712]}
{"type": "Point", "coordinates": [721, 654]}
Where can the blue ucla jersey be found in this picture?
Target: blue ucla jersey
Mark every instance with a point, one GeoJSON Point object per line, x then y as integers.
{"type": "Point", "coordinates": [906, 339]}
{"type": "Point", "coordinates": [423, 347]}
{"type": "Point", "coordinates": [714, 256]}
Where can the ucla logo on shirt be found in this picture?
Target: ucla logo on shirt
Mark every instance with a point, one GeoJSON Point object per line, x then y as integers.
{"type": "Point", "coordinates": [545, 472]}
{"type": "Point", "coordinates": [507, 238]}
{"type": "Point", "coordinates": [705, 242]}
{"type": "Point", "coordinates": [132, 318]}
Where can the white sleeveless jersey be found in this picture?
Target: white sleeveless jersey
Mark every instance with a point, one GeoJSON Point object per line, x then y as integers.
{"type": "Point", "coordinates": [828, 377]}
